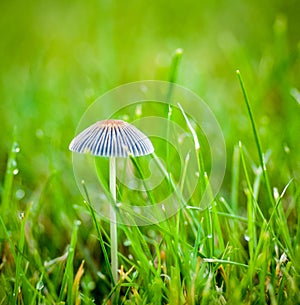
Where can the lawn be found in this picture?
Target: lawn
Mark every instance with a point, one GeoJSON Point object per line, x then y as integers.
{"type": "Point", "coordinates": [239, 63]}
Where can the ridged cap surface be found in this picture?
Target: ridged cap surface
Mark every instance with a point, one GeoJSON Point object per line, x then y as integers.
{"type": "Point", "coordinates": [112, 138]}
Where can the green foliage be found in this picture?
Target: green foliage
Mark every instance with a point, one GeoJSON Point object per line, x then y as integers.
{"type": "Point", "coordinates": [56, 58]}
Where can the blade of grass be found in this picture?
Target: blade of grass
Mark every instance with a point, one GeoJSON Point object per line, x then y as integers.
{"type": "Point", "coordinates": [142, 177]}
{"type": "Point", "coordinates": [235, 179]}
{"type": "Point", "coordinates": [172, 79]}
{"type": "Point", "coordinates": [174, 66]}
{"type": "Point", "coordinates": [249, 185]}
{"type": "Point", "coordinates": [68, 277]}
{"type": "Point", "coordinates": [11, 170]}
{"type": "Point", "coordinates": [92, 212]}
{"type": "Point", "coordinates": [257, 141]}
{"type": "Point", "coordinates": [19, 270]}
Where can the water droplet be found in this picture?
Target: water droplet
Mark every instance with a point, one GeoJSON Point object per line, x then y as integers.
{"type": "Point", "coordinates": [170, 112]}
{"type": "Point", "coordinates": [275, 193]}
{"type": "Point", "coordinates": [15, 171]}
{"type": "Point", "coordinates": [127, 243]}
{"type": "Point", "coordinates": [247, 238]}
{"type": "Point", "coordinates": [20, 194]}
{"type": "Point", "coordinates": [125, 117]}
{"type": "Point", "coordinates": [16, 148]}
{"type": "Point", "coordinates": [39, 285]}
{"type": "Point", "coordinates": [77, 222]}
{"type": "Point", "coordinates": [283, 258]}
{"type": "Point", "coordinates": [209, 236]}
{"type": "Point", "coordinates": [286, 149]}
{"type": "Point", "coordinates": [138, 110]}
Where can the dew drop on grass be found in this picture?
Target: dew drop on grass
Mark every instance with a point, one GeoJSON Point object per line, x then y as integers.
{"type": "Point", "coordinates": [127, 243]}
{"type": "Point", "coordinates": [283, 258]}
{"type": "Point", "coordinates": [39, 285]}
{"type": "Point", "coordinates": [138, 110]}
{"type": "Point", "coordinates": [77, 222]}
{"type": "Point", "coordinates": [286, 149]}
{"type": "Point", "coordinates": [276, 193]}
{"type": "Point", "coordinates": [247, 238]}
{"type": "Point", "coordinates": [16, 148]}
{"type": "Point", "coordinates": [125, 117]}
{"type": "Point", "coordinates": [209, 236]}
{"type": "Point", "coordinates": [15, 171]}
{"type": "Point", "coordinates": [20, 194]}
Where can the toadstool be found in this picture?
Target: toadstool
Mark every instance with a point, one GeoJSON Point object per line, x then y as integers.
{"type": "Point", "coordinates": [112, 139]}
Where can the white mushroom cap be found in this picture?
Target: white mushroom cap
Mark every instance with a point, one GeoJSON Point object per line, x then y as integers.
{"type": "Point", "coordinates": [112, 138]}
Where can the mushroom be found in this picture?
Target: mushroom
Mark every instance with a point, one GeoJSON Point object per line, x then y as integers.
{"type": "Point", "coordinates": [112, 139]}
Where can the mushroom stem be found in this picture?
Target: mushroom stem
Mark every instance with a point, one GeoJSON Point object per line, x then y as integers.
{"type": "Point", "coordinates": [113, 219]}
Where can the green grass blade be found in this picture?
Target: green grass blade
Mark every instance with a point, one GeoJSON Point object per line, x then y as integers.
{"type": "Point", "coordinates": [92, 212]}
{"type": "Point", "coordinates": [235, 179]}
{"type": "Point", "coordinates": [175, 65]}
{"type": "Point", "coordinates": [11, 170]}
{"type": "Point", "coordinates": [172, 79]}
{"type": "Point", "coordinates": [68, 277]}
{"type": "Point", "coordinates": [257, 141]}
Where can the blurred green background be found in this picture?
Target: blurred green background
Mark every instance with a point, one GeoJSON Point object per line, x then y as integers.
{"type": "Point", "coordinates": [57, 57]}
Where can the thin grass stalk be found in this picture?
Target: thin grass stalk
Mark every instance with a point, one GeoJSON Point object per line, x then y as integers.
{"type": "Point", "coordinates": [142, 177]}
{"type": "Point", "coordinates": [235, 179]}
{"type": "Point", "coordinates": [67, 281]}
{"type": "Point", "coordinates": [9, 177]}
{"type": "Point", "coordinates": [172, 79]}
{"type": "Point", "coordinates": [102, 245]}
{"type": "Point", "coordinates": [19, 257]}
{"type": "Point", "coordinates": [257, 141]}
{"type": "Point", "coordinates": [209, 224]}
{"type": "Point", "coordinates": [249, 183]}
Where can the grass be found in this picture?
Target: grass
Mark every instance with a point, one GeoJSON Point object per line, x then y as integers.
{"type": "Point", "coordinates": [214, 256]}
{"type": "Point", "coordinates": [242, 249]}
